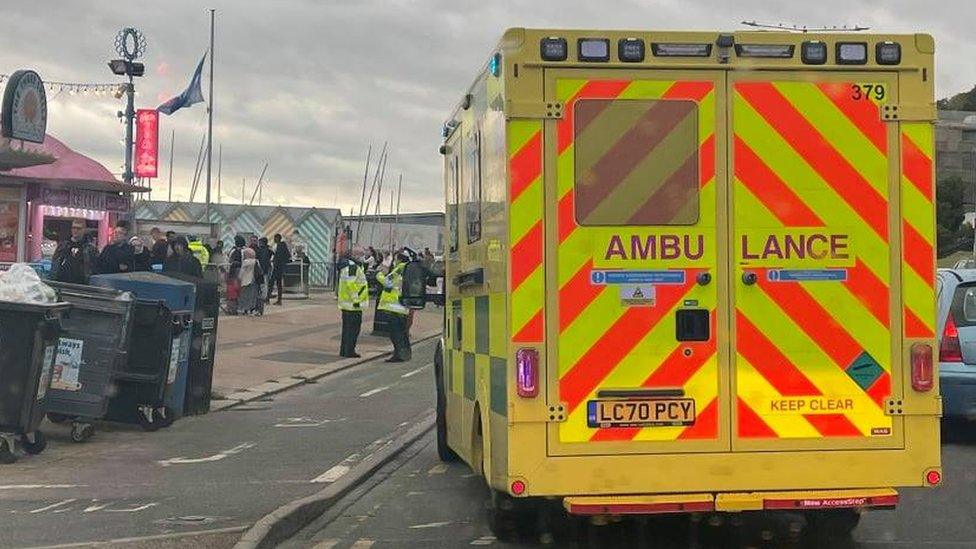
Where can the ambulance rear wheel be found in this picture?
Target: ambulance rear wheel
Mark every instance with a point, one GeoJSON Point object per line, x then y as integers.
{"type": "Point", "coordinates": [444, 451]}
{"type": "Point", "coordinates": [834, 525]}
{"type": "Point", "coordinates": [511, 519]}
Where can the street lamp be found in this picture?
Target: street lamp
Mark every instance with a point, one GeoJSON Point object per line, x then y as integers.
{"type": "Point", "coordinates": [130, 44]}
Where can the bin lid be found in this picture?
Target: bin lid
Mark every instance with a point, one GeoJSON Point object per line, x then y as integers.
{"type": "Point", "coordinates": [178, 296]}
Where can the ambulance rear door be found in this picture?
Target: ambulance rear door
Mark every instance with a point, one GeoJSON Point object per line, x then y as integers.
{"type": "Point", "coordinates": [636, 259]}
{"type": "Point", "coordinates": [816, 238]}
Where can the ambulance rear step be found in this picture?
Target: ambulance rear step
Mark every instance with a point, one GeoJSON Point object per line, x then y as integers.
{"type": "Point", "coordinates": [731, 502]}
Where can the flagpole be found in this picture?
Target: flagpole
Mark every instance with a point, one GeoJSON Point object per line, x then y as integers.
{"type": "Point", "coordinates": [172, 140]}
{"type": "Point", "coordinates": [210, 108]}
{"type": "Point", "coordinates": [220, 165]}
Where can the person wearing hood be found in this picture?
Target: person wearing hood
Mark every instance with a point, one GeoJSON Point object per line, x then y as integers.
{"type": "Point", "coordinates": [182, 261]}
{"type": "Point", "coordinates": [251, 276]}
{"type": "Point", "coordinates": [141, 256]}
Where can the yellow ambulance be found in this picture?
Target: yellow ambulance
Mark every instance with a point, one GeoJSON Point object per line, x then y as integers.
{"type": "Point", "coordinates": [692, 272]}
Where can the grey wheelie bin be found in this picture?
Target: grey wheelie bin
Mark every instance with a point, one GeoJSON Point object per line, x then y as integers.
{"type": "Point", "coordinates": [92, 350]}
{"type": "Point", "coordinates": [203, 343]}
{"type": "Point", "coordinates": [28, 337]}
{"type": "Point", "coordinates": [142, 382]}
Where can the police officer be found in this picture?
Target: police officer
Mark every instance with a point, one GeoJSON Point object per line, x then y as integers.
{"type": "Point", "coordinates": [198, 250]}
{"type": "Point", "coordinates": [392, 287]}
{"type": "Point", "coordinates": [353, 295]}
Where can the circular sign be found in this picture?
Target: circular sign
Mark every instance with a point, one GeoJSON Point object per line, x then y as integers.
{"type": "Point", "coordinates": [130, 43]}
{"type": "Point", "coordinates": [24, 110]}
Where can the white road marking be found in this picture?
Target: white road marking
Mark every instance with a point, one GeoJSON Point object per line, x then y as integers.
{"type": "Point", "coordinates": [306, 422]}
{"type": "Point", "coordinates": [327, 544]}
{"type": "Point", "coordinates": [429, 525]}
{"type": "Point", "coordinates": [52, 506]}
{"type": "Point", "coordinates": [95, 506]}
{"type": "Point", "coordinates": [372, 392]}
{"type": "Point", "coordinates": [216, 457]}
{"type": "Point", "coordinates": [333, 474]}
{"type": "Point", "coordinates": [484, 540]}
{"type": "Point", "coordinates": [417, 371]}
{"type": "Point", "coordinates": [438, 469]}
{"type": "Point", "coordinates": [133, 510]}
{"type": "Point", "coordinates": [142, 540]}
{"type": "Point", "coordinates": [39, 486]}
{"type": "Point", "coordinates": [362, 543]}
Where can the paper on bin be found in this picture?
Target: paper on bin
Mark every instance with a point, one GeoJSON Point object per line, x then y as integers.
{"type": "Point", "coordinates": [67, 364]}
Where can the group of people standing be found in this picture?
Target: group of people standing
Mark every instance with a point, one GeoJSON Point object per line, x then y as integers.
{"type": "Point", "coordinates": [256, 271]}
{"type": "Point", "coordinates": [77, 258]}
{"type": "Point", "coordinates": [353, 297]}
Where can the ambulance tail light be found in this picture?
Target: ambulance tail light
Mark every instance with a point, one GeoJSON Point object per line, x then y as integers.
{"type": "Point", "coordinates": [922, 370]}
{"type": "Point", "coordinates": [950, 350]}
{"type": "Point", "coordinates": [527, 372]}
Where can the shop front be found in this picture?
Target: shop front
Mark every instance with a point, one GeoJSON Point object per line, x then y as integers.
{"type": "Point", "coordinates": [38, 203]}
{"type": "Point", "coordinates": [51, 211]}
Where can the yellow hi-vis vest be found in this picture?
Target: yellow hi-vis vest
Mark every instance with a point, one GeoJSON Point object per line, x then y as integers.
{"type": "Point", "coordinates": [353, 292]}
{"type": "Point", "coordinates": [200, 252]}
{"type": "Point", "coordinates": [392, 284]}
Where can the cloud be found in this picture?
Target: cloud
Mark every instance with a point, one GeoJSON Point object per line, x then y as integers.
{"type": "Point", "coordinates": [307, 85]}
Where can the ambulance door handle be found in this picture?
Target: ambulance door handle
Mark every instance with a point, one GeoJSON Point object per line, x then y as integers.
{"type": "Point", "coordinates": [749, 278]}
{"type": "Point", "coordinates": [703, 279]}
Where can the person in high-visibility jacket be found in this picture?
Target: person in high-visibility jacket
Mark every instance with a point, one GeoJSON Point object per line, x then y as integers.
{"type": "Point", "coordinates": [198, 250]}
{"type": "Point", "coordinates": [391, 284]}
{"type": "Point", "coordinates": [353, 296]}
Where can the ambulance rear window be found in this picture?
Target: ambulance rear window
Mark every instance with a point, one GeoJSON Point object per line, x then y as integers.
{"type": "Point", "coordinates": [636, 162]}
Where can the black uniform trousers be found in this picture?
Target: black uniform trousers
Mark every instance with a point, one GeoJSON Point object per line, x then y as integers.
{"type": "Point", "coordinates": [399, 337]}
{"type": "Point", "coordinates": [352, 321]}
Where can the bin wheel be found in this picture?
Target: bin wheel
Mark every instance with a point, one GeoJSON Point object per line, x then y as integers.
{"type": "Point", "coordinates": [147, 421]}
{"type": "Point", "coordinates": [36, 447]}
{"type": "Point", "coordinates": [81, 432]}
{"type": "Point", "coordinates": [57, 418]}
{"type": "Point", "coordinates": [7, 454]}
{"type": "Point", "coordinates": [163, 416]}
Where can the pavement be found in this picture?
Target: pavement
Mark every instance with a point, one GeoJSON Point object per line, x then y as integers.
{"type": "Point", "coordinates": [290, 339]}
{"type": "Point", "coordinates": [206, 479]}
{"type": "Point", "coordinates": [419, 502]}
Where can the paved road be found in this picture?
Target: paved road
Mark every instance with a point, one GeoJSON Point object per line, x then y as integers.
{"type": "Point", "coordinates": [221, 472]}
{"type": "Point", "coordinates": [420, 502]}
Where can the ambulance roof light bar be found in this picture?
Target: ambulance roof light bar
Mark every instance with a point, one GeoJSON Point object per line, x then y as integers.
{"type": "Point", "coordinates": [804, 28]}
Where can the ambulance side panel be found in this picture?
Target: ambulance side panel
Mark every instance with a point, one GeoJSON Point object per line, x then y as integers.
{"type": "Point", "coordinates": [477, 280]}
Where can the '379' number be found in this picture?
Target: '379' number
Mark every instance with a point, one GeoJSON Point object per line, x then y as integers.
{"type": "Point", "coordinates": [867, 92]}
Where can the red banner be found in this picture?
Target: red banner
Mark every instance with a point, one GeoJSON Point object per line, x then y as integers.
{"type": "Point", "coordinates": [147, 143]}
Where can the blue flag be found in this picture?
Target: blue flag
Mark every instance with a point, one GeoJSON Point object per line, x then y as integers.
{"type": "Point", "coordinates": [192, 94]}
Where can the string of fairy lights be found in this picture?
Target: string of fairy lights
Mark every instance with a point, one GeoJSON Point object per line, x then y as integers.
{"type": "Point", "coordinates": [78, 88]}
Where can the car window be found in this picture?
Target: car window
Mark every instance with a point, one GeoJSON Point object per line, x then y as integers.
{"type": "Point", "coordinates": [969, 304]}
{"type": "Point", "coordinates": [963, 306]}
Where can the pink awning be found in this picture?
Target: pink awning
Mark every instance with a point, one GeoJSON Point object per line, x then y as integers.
{"type": "Point", "coordinates": [70, 169]}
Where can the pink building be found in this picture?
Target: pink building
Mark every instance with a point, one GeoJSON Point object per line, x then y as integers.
{"type": "Point", "coordinates": [37, 203]}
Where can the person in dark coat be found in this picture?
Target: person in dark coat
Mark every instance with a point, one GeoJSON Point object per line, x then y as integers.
{"type": "Point", "coordinates": [282, 256]}
{"type": "Point", "coordinates": [117, 256]}
{"type": "Point", "coordinates": [160, 246]}
{"type": "Point", "coordinates": [74, 258]}
{"type": "Point", "coordinates": [141, 258]}
{"type": "Point", "coordinates": [236, 258]}
{"type": "Point", "coordinates": [182, 261]}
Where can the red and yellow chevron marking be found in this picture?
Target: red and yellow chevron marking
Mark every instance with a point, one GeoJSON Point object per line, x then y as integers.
{"type": "Point", "coordinates": [918, 226]}
{"type": "Point", "coordinates": [526, 231]}
{"type": "Point", "coordinates": [603, 343]}
{"type": "Point", "coordinates": [807, 156]}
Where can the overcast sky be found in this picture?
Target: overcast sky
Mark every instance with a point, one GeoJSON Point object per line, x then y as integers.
{"type": "Point", "coordinates": [307, 85]}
